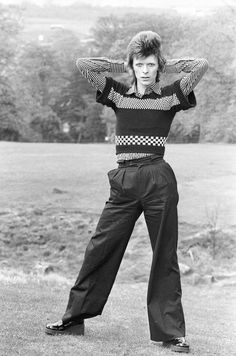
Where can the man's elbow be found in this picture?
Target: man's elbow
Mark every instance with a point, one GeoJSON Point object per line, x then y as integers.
{"type": "Point", "coordinates": [80, 63]}
{"type": "Point", "coordinates": [204, 64]}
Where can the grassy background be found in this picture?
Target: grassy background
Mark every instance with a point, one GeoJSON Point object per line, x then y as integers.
{"type": "Point", "coordinates": [52, 195]}
{"type": "Point", "coordinates": [29, 173]}
{"type": "Point", "coordinates": [51, 198]}
{"type": "Point", "coordinates": [122, 330]}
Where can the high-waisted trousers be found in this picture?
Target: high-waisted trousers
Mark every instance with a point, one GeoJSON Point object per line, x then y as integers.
{"type": "Point", "coordinates": [145, 185]}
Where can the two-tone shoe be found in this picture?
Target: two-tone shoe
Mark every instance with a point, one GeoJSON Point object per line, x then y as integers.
{"type": "Point", "coordinates": [177, 344]}
{"type": "Point", "coordinates": [69, 328]}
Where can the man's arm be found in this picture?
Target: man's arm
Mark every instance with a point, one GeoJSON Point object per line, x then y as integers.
{"type": "Point", "coordinates": [93, 69]}
{"type": "Point", "coordinates": [195, 69]}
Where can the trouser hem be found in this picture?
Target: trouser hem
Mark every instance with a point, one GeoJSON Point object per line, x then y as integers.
{"type": "Point", "coordinates": [167, 339]}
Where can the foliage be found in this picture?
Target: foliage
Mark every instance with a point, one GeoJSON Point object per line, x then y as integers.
{"type": "Point", "coordinates": [39, 78]}
{"type": "Point", "coordinates": [9, 126]}
{"type": "Point", "coordinates": [9, 28]}
{"type": "Point", "coordinates": [94, 129]}
{"type": "Point", "coordinates": [46, 124]}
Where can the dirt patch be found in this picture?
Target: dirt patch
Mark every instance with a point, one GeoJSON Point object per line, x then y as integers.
{"type": "Point", "coordinates": [53, 240]}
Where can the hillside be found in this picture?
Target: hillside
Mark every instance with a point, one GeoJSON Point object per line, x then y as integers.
{"type": "Point", "coordinates": [77, 18]}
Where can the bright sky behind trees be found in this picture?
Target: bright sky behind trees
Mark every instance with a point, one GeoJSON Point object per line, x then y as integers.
{"type": "Point", "coordinates": [181, 5]}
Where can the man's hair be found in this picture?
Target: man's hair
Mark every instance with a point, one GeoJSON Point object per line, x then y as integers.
{"type": "Point", "coordinates": [144, 44]}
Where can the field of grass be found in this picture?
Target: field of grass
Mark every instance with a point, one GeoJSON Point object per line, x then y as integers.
{"type": "Point", "coordinates": [29, 172]}
{"type": "Point", "coordinates": [51, 198]}
{"type": "Point", "coordinates": [52, 195]}
{"type": "Point", "coordinates": [27, 305]}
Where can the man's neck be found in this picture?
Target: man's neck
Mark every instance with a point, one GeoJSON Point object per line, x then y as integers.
{"type": "Point", "coordinates": [141, 88]}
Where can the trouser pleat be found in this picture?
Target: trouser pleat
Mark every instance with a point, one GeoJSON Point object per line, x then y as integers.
{"type": "Point", "coordinates": [150, 188]}
{"type": "Point", "coordinates": [102, 260]}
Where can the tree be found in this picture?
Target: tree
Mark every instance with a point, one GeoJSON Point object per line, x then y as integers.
{"type": "Point", "coordinates": [109, 119]}
{"type": "Point", "coordinates": [106, 32]}
{"type": "Point", "coordinates": [9, 28]}
{"type": "Point", "coordinates": [47, 125]}
{"type": "Point", "coordinates": [44, 71]}
{"type": "Point", "coordinates": [94, 128]}
{"type": "Point", "coordinates": [9, 125]}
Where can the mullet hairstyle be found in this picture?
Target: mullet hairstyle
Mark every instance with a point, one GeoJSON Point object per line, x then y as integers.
{"type": "Point", "coordinates": [144, 44]}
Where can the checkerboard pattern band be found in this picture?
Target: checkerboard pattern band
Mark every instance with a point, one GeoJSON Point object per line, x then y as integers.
{"type": "Point", "coordinates": [140, 140]}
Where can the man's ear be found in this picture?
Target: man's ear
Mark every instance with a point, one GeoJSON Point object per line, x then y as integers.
{"type": "Point", "coordinates": [130, 71]}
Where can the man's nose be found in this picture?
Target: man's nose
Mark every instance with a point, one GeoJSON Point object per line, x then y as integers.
{"type": "Point", "coordinates": [145, 69]}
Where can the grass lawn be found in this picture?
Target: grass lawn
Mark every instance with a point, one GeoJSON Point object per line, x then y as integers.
{"type": "Point", "coordinates": [51, 197]}
{"type": "Point", "coordinates": [26, 305]}
{"type": "Point", "coordinates": [206, 175]}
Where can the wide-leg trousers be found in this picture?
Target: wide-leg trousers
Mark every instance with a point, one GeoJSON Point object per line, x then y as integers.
{"type": "Point", "coordinates": [146, 185]}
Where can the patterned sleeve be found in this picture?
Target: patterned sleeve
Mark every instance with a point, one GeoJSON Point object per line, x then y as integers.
{"type": "Point", "coordinates": [194, 69]}
{"type": "Point", "coordinates": [180, 100]}
{"type": "Point", "coordinates": [93, 70]}
{"type": "Point", "coordinates": [111, 93]}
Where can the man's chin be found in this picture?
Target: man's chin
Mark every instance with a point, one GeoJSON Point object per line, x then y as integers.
{"type": "Point", "coordinates": [146, 83]}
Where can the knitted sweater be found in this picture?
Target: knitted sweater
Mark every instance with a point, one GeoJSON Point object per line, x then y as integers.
{"type": "Point", "coordinates": [143, 121]}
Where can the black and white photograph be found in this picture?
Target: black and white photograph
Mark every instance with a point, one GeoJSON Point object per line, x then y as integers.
{"type": "Point", "coordinates": [117, 177]}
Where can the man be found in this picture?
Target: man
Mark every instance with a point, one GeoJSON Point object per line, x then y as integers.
{"type": "Point", "coordinates": [143, 182]}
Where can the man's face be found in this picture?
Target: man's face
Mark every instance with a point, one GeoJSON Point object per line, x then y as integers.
{"type": "Point", "coordinates": [145, 70]}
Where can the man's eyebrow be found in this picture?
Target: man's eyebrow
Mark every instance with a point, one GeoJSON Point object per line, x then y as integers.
{"type": "Point", "coordinates": [140, 61]}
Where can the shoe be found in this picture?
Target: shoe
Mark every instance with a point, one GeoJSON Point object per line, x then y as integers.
{"type": "Point", "coordinates": [177, 344]}
{"type": "Point", "coordinates": [70, 328]}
